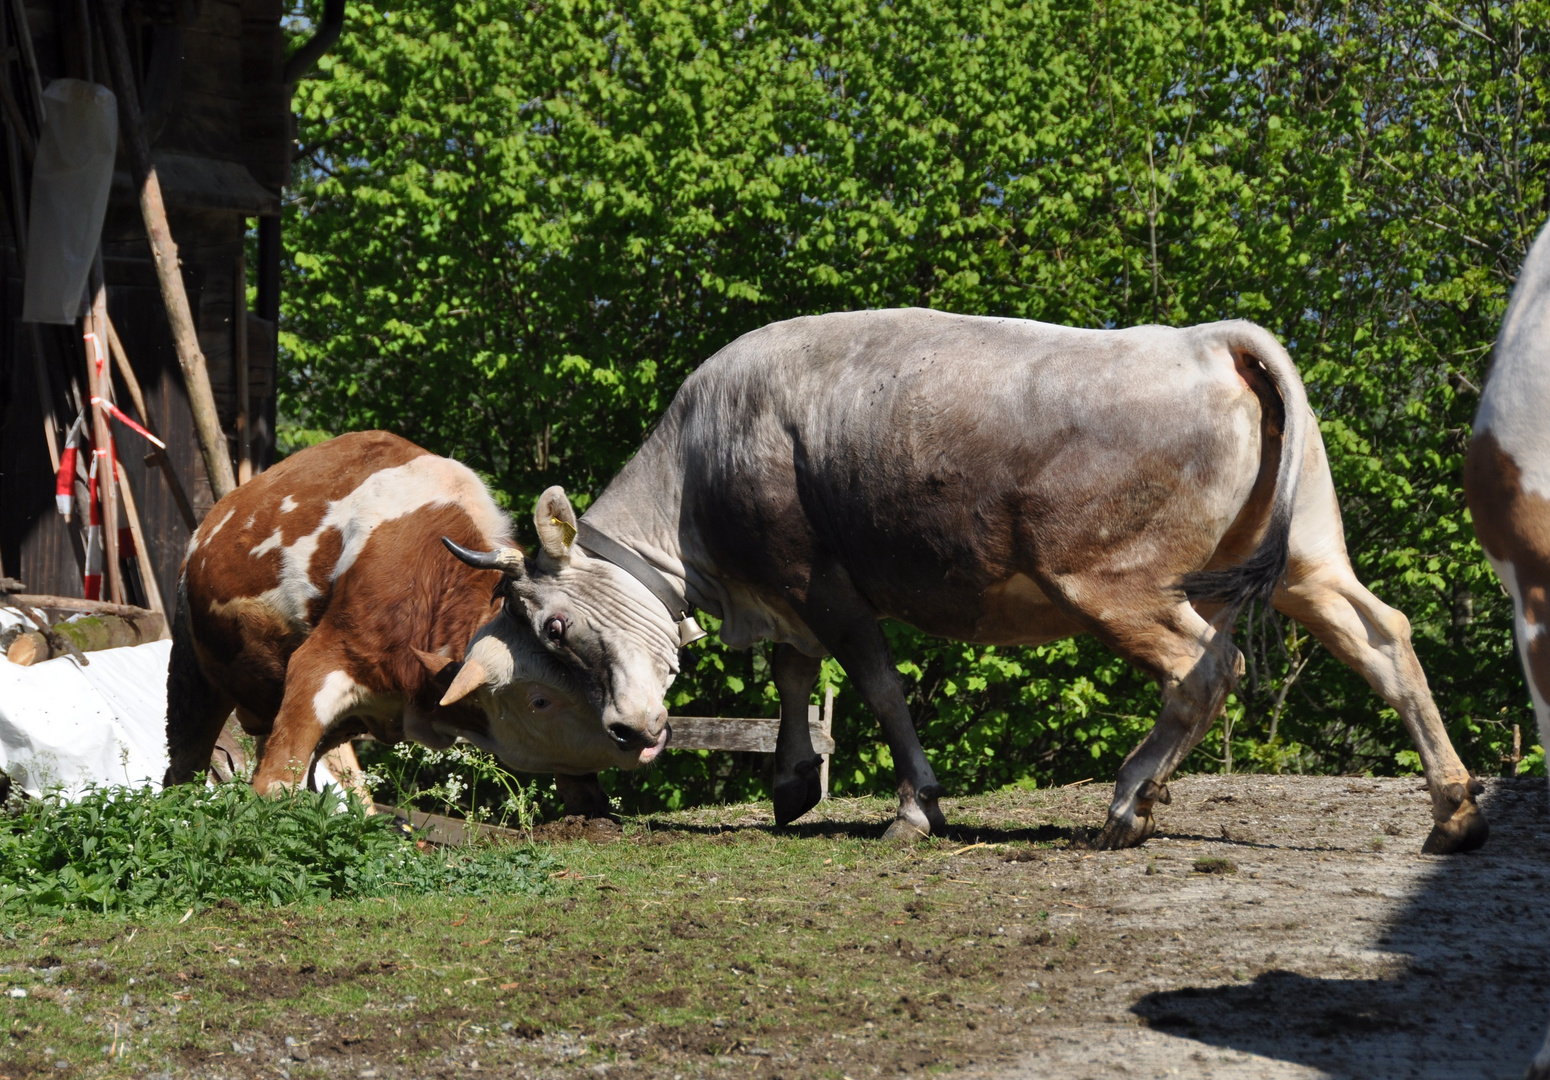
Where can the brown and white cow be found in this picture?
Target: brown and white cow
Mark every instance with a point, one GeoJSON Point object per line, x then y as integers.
{"type": "Point", "coordinates": [1507, 482]}
{"type": "Point", "coordinates": [987, 480]}
{"type": "Point", "coordinates": [318, 600]}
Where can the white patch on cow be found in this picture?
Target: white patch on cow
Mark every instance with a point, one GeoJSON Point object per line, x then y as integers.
{"type": "Point", "coordinates": [337, 696]}
{"type": "Point", "coordinates": [288, 504]}
{"type": "Point", "coordinates": [272, 541]}
{"type": "Point", "coordinates": [1526, 630]}
{"type": "Point", "coordinates": [249, 523]}
{"type": "Point", "coordinates": [1516, 399]}
{"type": "Point", "coordinates": [382, 497]}
{"type": "Point", "coordinates": [206, 532]}
{"type": "Point", "coordinates": [219, 525]}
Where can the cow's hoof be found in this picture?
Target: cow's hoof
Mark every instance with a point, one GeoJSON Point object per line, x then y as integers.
{"type": "Point", "coordinates": [796, 795]}
{"type": "Point", "coordinates": [1466, 830]}
{"type": "Point", "coordinates": [1125, 833]}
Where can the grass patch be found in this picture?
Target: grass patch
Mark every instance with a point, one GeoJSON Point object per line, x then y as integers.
{"type": "Point", "coordinates": [1215, 864]}
{"type": "Point", "coordinates": [682, 946]}
{"type": "Point", "coordinates": [138, 852]}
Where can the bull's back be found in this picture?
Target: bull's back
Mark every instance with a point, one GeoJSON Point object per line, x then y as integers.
{"type": "Point", "coordinates": [920, 439]}
{"type": "Point", "coordinates": [276, 558]}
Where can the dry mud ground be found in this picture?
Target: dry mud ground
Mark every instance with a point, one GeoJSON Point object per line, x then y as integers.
{"type": "Point", "coordinates": [704, 944]}
{"type": "Point", "coordinates": [1335, 950]}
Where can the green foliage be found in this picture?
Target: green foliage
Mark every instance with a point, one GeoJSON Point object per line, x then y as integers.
{"type": "Point", "coordinates": [462, 780]}
{"type": "Point", "coordinates": [135, 851]}
{"type": "Point", "coordinates": [518, 227]}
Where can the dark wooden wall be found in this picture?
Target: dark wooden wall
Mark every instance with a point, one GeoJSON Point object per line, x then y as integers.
{"type": "Point", "coordinates": [220, 119]}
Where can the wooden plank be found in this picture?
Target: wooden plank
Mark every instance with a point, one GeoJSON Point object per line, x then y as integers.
{"type": "Point", "coordinates": [754, 735]}
{"type": "Point", "coordinates": [72, 603]}
{"type": "Point", "coordinates": [450, 832]}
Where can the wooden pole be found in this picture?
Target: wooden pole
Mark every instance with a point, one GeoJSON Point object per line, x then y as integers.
{"type": "Point", "coordinates": [70, 603]}
{"type": "Point", "coordinates": [142, 552]}
{"type": "Point", "coordinates": [239, 325]}
{"type": "Point", "coordinates": [157, 457]}
{"type": "Point", "coordinates": [196, 374]}
{"type": "Point", "coordinates": [828, 730]}
{"type": "Point", "coordinates": [102, 387]}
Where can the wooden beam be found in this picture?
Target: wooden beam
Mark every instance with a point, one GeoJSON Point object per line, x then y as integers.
{"type": "Point", "coordinates": [756, 735]}
{"type": "Point", "coordinates": [101, 385]}
{"type": "Point", "coordinates": [142, 553]}
{"type": "Point", "coordinates": [196, 373]}
{"type": "Point", "coordinates": [50, 602]}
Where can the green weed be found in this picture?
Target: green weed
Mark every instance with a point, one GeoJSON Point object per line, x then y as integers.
{"type": "Point", "coordinates": [133, 851]}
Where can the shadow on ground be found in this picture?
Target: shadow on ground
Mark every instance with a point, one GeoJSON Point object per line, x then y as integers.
{"type": "Point", "coordinates": [1477, 981]}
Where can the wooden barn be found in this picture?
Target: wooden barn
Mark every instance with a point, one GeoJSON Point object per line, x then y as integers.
{"type": "Point", "coordinates": [176, 324]}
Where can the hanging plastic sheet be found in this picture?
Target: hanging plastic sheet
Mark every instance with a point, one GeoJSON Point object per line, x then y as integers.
{"type": "Point", "coordinates": [68, 728]}
{"type": "Point", "coordinates": [70, 180]}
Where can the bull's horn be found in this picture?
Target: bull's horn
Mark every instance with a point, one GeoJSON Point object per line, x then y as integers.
{"type": "Point", "coordinates": [469, 679]}
{"type": "Point", "coordinates": [508, 560]}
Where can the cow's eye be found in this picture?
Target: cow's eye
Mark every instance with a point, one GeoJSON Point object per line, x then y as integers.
{"type": "Point", "coordinates": [554, 629]}
{"type": "Point", "coordinates": [540, 702]}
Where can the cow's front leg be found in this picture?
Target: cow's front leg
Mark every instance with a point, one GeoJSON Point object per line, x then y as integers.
{"type": "Point", "coordinates": [319, 691]}
{"type": "Point", "coordinates": [583, 796]}
{"type": "Point", "coordinates": [848, 627]}
{"type": "Point", "coordinates": [796, 789]}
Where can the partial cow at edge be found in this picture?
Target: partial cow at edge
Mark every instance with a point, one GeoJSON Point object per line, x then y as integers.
{"type": "Point", "coordinates": [319, 602]}
{"type": "Point", "coordinates": [1507, 482]}
{"type": "Point", "coordinates": [988, 480]}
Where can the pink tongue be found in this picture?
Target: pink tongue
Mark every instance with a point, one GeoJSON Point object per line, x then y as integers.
{"type": "Point", "coordinates": [650, 753]}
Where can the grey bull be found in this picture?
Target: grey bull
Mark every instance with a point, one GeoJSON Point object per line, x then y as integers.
{"type": "Point", "coordinates": [987, 480]}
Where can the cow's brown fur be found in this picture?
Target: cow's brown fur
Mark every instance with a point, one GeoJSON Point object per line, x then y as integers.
{"type": "Point", "coordinates": [1514, 528]}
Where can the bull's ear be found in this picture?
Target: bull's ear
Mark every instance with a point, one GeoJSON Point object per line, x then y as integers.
{"type": "Point", "coordinates": [556, 521]}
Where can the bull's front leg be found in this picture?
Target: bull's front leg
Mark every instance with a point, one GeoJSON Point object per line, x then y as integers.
{"type": "Point", "coordinates": [848, 627]}
{"type": "Point", "coordinates": [796, 789]}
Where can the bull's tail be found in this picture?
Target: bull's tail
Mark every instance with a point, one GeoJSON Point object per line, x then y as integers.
{"type": "Point", "coordinates": [196, 709]}
{"type": "Point", "coordinates": [1257, 577]}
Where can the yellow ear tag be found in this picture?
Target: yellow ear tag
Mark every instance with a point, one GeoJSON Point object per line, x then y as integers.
{"type": "Point", "coordinates": [567, 530]}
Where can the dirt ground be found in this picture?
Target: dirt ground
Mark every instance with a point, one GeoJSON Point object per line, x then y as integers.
{"type": "Point", "coordinates": [1336, 949]}
{"type": "Point", "coordinates": [1327, 946]}
{"type": "Point", "coordinates": [1278, 927]}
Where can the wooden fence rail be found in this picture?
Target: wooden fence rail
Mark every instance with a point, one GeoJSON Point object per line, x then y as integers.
{"type": "Point", "coordinates": [755, 734]}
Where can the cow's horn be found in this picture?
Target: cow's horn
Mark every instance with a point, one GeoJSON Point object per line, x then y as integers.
{"type": "Point", "coordinates": [508, 560]}
{"type": "Point", "coordinates": [469, 679]}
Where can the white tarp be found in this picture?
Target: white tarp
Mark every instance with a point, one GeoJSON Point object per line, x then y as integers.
{"type": "Point", "coordinates": [68, 727]}
{"type": "Point", "coordinates": [70, 181]}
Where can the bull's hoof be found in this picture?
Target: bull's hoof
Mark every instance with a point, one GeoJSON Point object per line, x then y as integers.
{"type": "Point", "coordinates": [1466, 830]}
{"type": "Point", "coordinates": [796, 795]}
{"type": "Point", "coordinates": [1125, 833]}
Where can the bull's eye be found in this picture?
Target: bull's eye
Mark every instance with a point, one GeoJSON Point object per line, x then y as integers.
{"type": "Point", "coordinates": [554, 629]}
{"type": "Point", "coordinates": [540, 702]}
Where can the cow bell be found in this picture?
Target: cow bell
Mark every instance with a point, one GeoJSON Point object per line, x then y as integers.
{"type": "Point", "coordinates": [688, 631]}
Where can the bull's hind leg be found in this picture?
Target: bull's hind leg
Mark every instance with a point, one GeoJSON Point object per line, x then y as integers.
{"type": "Point", "coordinates": [1374, 639]}
{"type": "Point", "coordinates": [1196, 667]}
{"type": "Point", "coordinates": [797, 787]}
{"type": "Point", "coordinates": [196, 708]}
